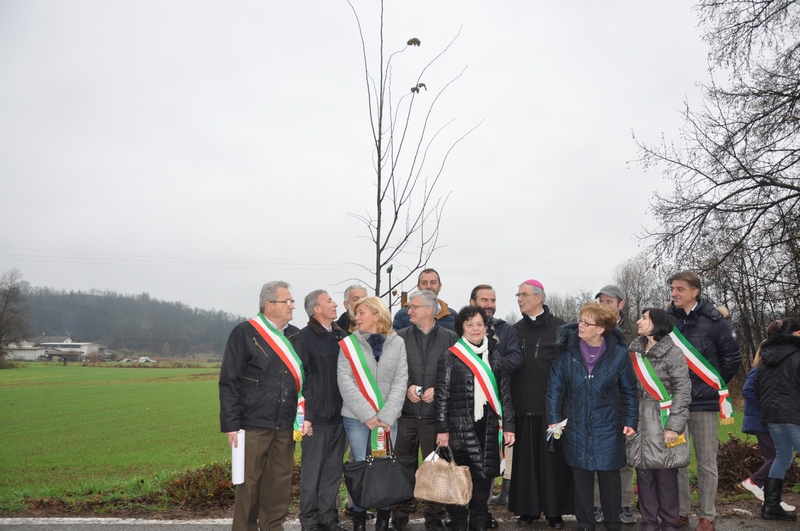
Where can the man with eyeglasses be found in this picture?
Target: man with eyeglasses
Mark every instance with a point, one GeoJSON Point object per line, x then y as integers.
{"type": "Point", "coordinates": [613, 297]}
{"type": "Point", "coordinates": [542, 480]}
{"type": "Point", "coordinates": [323, 447]}
{"type": "Point", "coordinates": [428, 280]}
{"type": "Point", "coordinates": [259, 383]}
{"type": "Point", "coordinates": [426, 340]}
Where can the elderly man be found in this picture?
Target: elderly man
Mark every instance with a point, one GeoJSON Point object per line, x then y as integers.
{"type": "Point", "coordinates": [425, 342]}
{"type": "Point", "coordinates": [347, 321]}
{"type": "Point", "coordinates": [613, 297]}
{"type": "Point", "coordinates": [259, 383]}
{"type": "Point", "coordinates": [484, 296]}
{"type": "Point", "coordinates": [715, 343]}
{"type": "Point", "coordinates": [428, 280]}
{"type": "Point", "coordinates": [542, 480]}
{"type": "Point", "coordinates": [323, 447]}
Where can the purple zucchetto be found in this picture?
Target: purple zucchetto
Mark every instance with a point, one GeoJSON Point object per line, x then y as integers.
{"type": "Point", "coordinates": [535, 283]}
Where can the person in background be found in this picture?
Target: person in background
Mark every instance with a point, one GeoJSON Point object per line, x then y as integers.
{"type": "Point", "coordinates": [428, 280]}
{"type": "Point", "coordinates": [655, 450]}
{"type": "Point", "coordinates": [473, 403]}
{"type": "Point", "coordinates": [354, 293]}
{"type": "Point", "coordinates": [593, 387]}
{"type": "Point", "coordinates": [384, 358]}
{"type": "Point", "coordinates": [778, 388]}
{"type": "Point", "coordinates": [752, 425]}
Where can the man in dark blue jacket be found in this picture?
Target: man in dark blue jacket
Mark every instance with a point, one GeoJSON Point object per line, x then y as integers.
{"type": "Point", "coordinates": [712, 335]}
{"type": "Point", "coordinates": [323, 447]}
{"type": "Point", "coordinates": [428, 280]}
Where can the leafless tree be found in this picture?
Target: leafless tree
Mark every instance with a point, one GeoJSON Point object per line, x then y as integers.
{"type": "Point", "coordinates": [403, 227]}
{"type": "Point", "coordinates": [13, 309]}
{"type": "Point", "coordinates": [567, 306]}
{"type": "Point", "coordinates": [644, 285]}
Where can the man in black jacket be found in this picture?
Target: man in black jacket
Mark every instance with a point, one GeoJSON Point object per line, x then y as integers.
{"type": "Point", "coordinates": [352, 294]}
{"type": "Point", "coordinates": [542, 482]}
{"type": "Point", "coordinates": [258, 394]}
{"type": "Point", "coordinates": [323, 447]}
{"type": "Point", "coordinates": [712, 335]}
{"type": "Point", "coordinates": [425, 342]}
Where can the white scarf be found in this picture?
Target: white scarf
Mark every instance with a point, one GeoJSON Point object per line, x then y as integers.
{"type": "Point", "coordinates": [480, 397]}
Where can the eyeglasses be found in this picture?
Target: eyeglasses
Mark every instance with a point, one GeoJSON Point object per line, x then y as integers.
{"type": "Point", "coordinates": [524, 295]}
{"type": "Point", "coordinates": [415, 307]}
{"type": "Point", "coordinates": [586, 323]}
{"type": "Point", "coordinates": [287, 301]}
{"type": "Point", "coordinates": [474, 325]}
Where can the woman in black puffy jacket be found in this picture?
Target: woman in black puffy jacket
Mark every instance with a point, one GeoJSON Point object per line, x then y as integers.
{"type": "Point", "coordinates": [778, 388]}
{"type": "Point", "coordinates": [466, 412]}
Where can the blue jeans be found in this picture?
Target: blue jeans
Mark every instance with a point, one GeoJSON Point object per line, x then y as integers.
{"type": "Point", "coordinates": [357, 434]}
{"type": "Point", "coordinates": [787, 440]}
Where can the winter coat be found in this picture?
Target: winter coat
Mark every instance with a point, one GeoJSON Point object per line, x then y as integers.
{"type": "Point", "coordinates": [537, 340]}
{"type": "Point", "coordinates": [423, 352]}
{"type": "Point", "coordinates": [321, 390]}
{"type": "Point", "coordinates": [444, 318]}
{"type": "Point", "coordinates": [778, 380]}
{"type": "Point", "coordinates": [391, 375]}
{"type": "Point", "coordinates": [713, 336]}
{"type": "Point", "coordinates": [598, 405]}
{"type": "Point", "coordinates": [454, 404]}
{"type": "Point", "coordinates": [646, 448]}
{"type": "Point", "coordinates": [507, 344]}
{"type": "Point", "coordinates": [752, 405]}
{"type": "Point", "coordinates": [345, 323]}
{"type": "Point", "coordinates": [256, 389]}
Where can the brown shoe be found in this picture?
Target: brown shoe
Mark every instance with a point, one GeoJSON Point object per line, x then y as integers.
{"type": "Point", "coordinates": [705, 525]}
{"type": "Point", "coordinates": [683, 520]}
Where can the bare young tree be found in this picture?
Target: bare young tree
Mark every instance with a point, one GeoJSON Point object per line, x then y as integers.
{"type": "Point", "coordinates": [567, 306]}
{"type": "Point", "coordinates": [643, 284]}
{"type": "Point", "coordinates": [403, 227]}
{"type": "Point", "coordinates": [13, 310]}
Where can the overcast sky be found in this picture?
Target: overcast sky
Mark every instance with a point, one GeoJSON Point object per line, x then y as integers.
{"type": "Point", "coordinates": [194, 150]}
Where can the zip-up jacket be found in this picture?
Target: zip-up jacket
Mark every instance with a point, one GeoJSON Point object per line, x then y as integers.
{"type": "Point", "coordinates": [537, 341]}
{"type": "Point", "coordinates": [256, 389]}
{"type": "Point", "coordinates": [321, 391]}
{"type": "Point", "coordinates": [423, 352]}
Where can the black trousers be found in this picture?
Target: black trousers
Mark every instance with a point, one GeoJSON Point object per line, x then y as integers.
{"type": "Point", "coordinates": [478, 508]}
{"type": "Point", "coordinates": [658, 498]}
{"type": "Point", "coordinates": [321, 474]}
{"type": "Point", "coordinates": [610, 497]}
{"type": "Point", "coordinates": [414, 435]}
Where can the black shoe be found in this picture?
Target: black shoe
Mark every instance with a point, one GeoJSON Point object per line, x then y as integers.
{"type": "Point", "coordinates": [359, 520]}
{"type": "Point", "coordinates": [434, 525]}
{"type": "Point", "coordinates": [334, 526]}
{"type": "Point", "coordinates": [491, 522]}
{"type": "Point", "coordinates": [502, 498]}
{"type": "Point", "coordinates": [448, 521]}
{"type": "Point", "coordinates": [398, 523]}
{"type": "Point", "coordinates": [348, 511]}
{"type": "Point", "coordinates": [772, 510]}
{"type": "Point", "coordinates": [525, 520]}
{"type": "Point", "coordinates": [382, 520]}
{"type": "Point", "coordinates": [555, 522]}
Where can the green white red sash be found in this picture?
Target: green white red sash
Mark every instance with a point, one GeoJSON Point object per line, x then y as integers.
{"type": "Point", "coordinates": [485, 378]}
{"type": "Point", "coordinates": [364, 378]}
{"type": "Point", "coordinates": [283, 348]}
{"type": "Point", "coordinates": [702, 368]}
{"type": "Point", "coordinates": [652, 384]}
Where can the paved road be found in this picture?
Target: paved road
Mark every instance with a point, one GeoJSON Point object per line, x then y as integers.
{"type": "Point", "coordinates": [735, 520]}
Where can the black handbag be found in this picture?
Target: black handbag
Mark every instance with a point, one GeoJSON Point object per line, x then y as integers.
{"type": "Point", "coordinates": [383, 481]}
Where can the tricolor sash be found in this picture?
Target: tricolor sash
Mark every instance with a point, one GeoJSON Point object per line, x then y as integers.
{"type": "Point", "coordinates": [485, 378]}
{"type": "Point", "coordinates": [283, 348]}
{"type": "Point", "coordinates": [364, 379]}
{"type": "Point", "coordinates": [652, 384]}
{"type": "Point", "coordinates": [702, 368]}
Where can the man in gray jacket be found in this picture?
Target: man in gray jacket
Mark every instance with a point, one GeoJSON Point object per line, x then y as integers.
{"type": "Point", "coordinates": [425, 342]}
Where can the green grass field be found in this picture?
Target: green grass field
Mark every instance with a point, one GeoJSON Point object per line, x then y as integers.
{"type": "Point", "coordinates": [72, 429]}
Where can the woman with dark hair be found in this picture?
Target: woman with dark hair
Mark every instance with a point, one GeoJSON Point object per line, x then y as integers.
{"type": "Point", "coordinates": [778, 388]}
{"type": "Point", "coordinates": [659, 446]}
{"type": "Point", "coordinates": [752, 425]}
{"type": "Point", "coordinates": [473, 407]}
{"type": "Point", "coordinates": [592, 386]}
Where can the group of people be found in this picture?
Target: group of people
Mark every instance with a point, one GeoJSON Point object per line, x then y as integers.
{"type": "Point", "coordinates": [566, 406]}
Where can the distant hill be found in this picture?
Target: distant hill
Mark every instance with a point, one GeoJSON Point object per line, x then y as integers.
{"type": "Point", "coordinates": [136, 323]}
